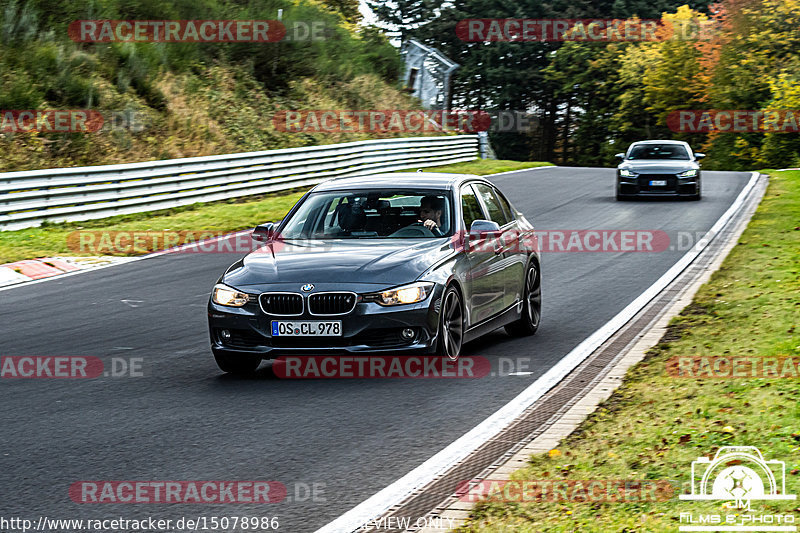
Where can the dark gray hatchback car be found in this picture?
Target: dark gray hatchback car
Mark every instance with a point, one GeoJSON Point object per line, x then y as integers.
{"type": "Point", "coordinates": [403, 263]}
{"type": "Point", "coordinates": [658, 169]}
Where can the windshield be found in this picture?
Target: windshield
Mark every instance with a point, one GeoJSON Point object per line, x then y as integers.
{"type": "Point", "coordinates": [370, 214]}
{"type": "Point", "coordinates": [659, 151]}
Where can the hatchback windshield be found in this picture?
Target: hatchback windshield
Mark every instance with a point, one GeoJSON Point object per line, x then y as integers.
{"type": "Point", "coordinates": [370, 214]}
{"type": "Point", "coordinates": [659, 151]}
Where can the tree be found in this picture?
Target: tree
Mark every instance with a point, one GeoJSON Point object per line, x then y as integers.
{"type": "Point", "coordinates": [347, 8]}
{"type": "Point", "coordinates": [403, 16]}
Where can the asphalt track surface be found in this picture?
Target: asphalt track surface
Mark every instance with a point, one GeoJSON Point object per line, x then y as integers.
{"type": "Point", "coordinates": [184, 420]}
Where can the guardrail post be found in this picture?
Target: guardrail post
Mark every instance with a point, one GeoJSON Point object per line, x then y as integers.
{"type": "Point", "coordinates": [484, 148]}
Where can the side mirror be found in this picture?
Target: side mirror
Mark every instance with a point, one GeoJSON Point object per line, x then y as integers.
{"type": "Point", "coordinates": [619, 156]}
{"type": "Point", "coordinates": [263, 232]}
{"type": "Point", "coordinates": [698, 155]}
{"type": "Point", "coordinates": [484, 226]}
{"type": "Point", "coordinates": [481, 232]}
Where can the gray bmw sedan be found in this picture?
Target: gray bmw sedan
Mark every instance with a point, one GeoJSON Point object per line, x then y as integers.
{"type": "Point", "coordinates": [403, 263]}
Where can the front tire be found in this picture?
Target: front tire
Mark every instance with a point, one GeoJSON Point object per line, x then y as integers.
{"type": "Point", "coordinates": [528, 323]}
{"type": "Point", "coordinates": [451, 325]}
{"type": "Point", "coordinates": [240, 365]}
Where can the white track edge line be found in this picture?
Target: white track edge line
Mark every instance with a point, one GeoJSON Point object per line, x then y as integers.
{"type": "Point", "coordinates": [393, 494]}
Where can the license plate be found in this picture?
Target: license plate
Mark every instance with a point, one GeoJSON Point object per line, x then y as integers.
{"type": "Point", "coordinates": [658, 183]}
{"type": "Point", "coordinates": [307, 328]}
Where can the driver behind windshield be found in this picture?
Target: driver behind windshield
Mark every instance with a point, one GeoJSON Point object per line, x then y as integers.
{"type": "Point", "coordinates": [430, 213]}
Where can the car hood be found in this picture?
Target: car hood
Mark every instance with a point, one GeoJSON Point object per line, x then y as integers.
{"type": "Point", "coordinates": [379, 261]}
{"type": "Point", "coordinates": [658, 165]}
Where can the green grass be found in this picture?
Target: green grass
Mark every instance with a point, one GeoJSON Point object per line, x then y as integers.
{"type": "Point", "coordinates": [482, 167]}
{"type": "Point", "coordinates": [654, 425]}
{"type": "Point", "coordinates": [204, 219]}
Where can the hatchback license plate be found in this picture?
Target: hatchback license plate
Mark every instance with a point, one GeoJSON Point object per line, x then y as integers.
{"type": "Point", "coordinates": [304, 328]}
{"type": "Point", "coordinates": [658, 183]}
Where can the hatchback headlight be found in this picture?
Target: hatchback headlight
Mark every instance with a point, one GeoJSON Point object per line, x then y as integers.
{"type": "Point", "coordinates": [625, 173]}
{"type": "Point", "coordinates": [224, 295]}
{"type": "Point", "coordinates": [692, 172]}
{"type": "Point", "coordinates": [407, 294]}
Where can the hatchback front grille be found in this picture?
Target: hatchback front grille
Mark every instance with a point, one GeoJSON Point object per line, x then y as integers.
{"type": "Point", "coordinates": [331, 303]}
{"type": "Point", "coordinates": [281, 303]}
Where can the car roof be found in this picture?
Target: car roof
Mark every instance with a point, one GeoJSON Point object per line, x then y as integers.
{"type": "Point", "coordinates": [413, 180]}
{"type": "Point", "coordinates": [666, 141]}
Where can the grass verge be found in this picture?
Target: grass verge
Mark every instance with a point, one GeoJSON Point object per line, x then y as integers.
{"type": "Point", "coordinates": [482, 167]}
{"type": "Point", "coordinates": [654, 426]}
{"type": "Point", "coordinates": [204, 219]}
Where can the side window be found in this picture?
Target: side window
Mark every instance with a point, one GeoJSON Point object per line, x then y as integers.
{"type": "Point", "coordinates": [505, 205]}
{"type": "Point", "coordinates": [496, 213]}
{"type": "Point", "coordinates": [470, 206]}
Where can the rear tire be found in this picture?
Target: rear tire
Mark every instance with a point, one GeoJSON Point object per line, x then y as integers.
{"type": "Point", "coordinates": [241, 365]}
{"type": "Point", "coordinates": [451, 325]}
{"type": "Point", "coordinates": [528, 323]}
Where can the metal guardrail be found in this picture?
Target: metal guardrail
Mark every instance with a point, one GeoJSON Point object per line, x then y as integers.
{"type": "Point", "coordinates": [72, 194]}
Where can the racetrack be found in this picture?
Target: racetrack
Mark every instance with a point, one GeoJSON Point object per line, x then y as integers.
{"type": "Point", "coordinates": [184, 420]}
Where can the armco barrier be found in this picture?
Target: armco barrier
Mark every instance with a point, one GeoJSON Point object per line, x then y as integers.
{"type": "Point", "coordinates": [71, 194]}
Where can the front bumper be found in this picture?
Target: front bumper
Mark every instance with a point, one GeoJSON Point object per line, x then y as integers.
{"type": "Point", "coordinates": [370, 327]}
{"type": "Point", "coordinates": [675, 187]}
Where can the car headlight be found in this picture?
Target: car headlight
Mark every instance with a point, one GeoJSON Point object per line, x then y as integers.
{"type": "Point", "coordinates": [692, 172]}
{"type": "Point", "coordinates": [224, 295]}
{"type": "Point", "coordinates": [625, 173]}
{"type": "Point", "coordinates": [407, 294]}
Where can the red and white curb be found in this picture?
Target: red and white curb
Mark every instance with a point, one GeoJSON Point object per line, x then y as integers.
{"type": "Point", "coordinates": [47, 267]}
{"type": "Point", "coordinates": [11, 272]}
